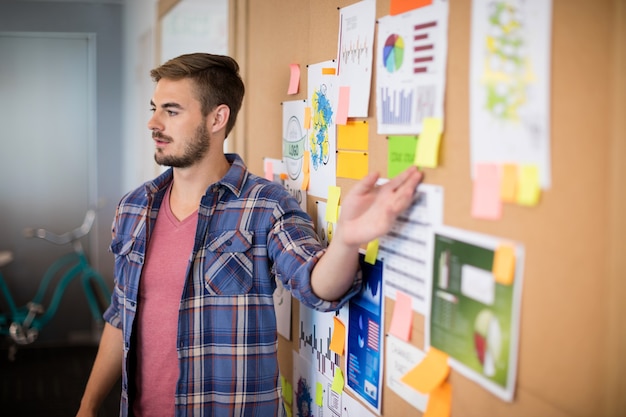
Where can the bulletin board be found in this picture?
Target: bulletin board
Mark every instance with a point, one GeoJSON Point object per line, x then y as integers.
{"type": "Point", "coordinates": [570, 337]}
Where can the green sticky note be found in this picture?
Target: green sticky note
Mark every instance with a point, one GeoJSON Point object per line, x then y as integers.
{"type": "Point", "coordinates": [400, 153]}
{"type": "Point", "coordinates": [337, 385]}
{"type": "Point", "coordinates": [319, 394]}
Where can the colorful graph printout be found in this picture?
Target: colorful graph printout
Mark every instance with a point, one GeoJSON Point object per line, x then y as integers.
{"type": "Point", "coordinates": [410, 68]}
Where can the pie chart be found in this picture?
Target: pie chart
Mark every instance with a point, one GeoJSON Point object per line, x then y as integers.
{"type": "Point", "coordinates": [393, 52]}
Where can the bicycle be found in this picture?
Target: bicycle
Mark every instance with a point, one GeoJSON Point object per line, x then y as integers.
{"type": "Point", "coordinates": [23, 324]}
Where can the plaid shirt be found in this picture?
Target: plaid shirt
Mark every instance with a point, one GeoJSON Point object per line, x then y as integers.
{"type": "Point", "coordinates": [250, 231]}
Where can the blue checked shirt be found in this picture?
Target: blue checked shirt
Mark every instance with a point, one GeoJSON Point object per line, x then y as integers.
{"type": "Point", "coordinates": [250, 231]}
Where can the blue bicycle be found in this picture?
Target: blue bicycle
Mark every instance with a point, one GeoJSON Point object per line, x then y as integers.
{"type": "Point", "coordinates": [23, 323]}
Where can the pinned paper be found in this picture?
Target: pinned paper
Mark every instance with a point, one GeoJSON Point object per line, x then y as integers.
{"type": "Point", "coordinates": [307, 118]}
{"type": "Point", "coordinates": [294, 79]}
{"type": "Point", "coordinates": [371, 253]}
{"type": "Point", "coordinates": [338, 383]}
{"type": "Point", "coordinates": [427, 152]}
{"type": "Point", "coordinates": [352, 164]}
{"type": "Point", "coordinates": [328, 71]}
{"type": "Point", "coordinates": [504, 264]}
{"type": "Point", "coordinates": [440, 401]}
{"type": "Point", "coordinates": [353, 135]}
{"type": "Point", "coordinates": [430, 373]}
{"type": "Point", "coordinates": [337, 342]}
{"type": "Point", "coordinates": [319, 394]}
{"type": "Point", "coordinates": [528, 190]}
{"type": "Point", "coordinates": [486, 203]}
{"type": "Point", "coordinates": [508, 184]}
{"type": "Point", "coordinates": [269, 170]}
{"type": "Point", "coordinates": [402, 6]}
{"type": "Point", "coordinates": [402, 318]}
{"type": "Point", "coordinates": [343, 104]}
{"type": "Point", "coordinates": [400, 153]}
{"type": "Point", "coordinates": [332, 205]}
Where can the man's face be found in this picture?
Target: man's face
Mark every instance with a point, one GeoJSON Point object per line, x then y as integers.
{"type": "Point", "coordinates": [178, 128]}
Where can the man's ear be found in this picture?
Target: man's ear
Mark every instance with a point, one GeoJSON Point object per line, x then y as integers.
{"type": "Point", "coordinates": [221, 114]}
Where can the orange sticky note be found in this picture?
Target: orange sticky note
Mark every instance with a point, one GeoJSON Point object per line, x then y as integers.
{"type": "Point", "coordinates": [332, 204]}
{"type": "Point", "coordinates": [306, 170]}
{"type": "Point", "coordinates": [337, 342]}
{"type": "Point", "coordinates": [343, 104]}
{"type": "Point", "coordinates": [402, 318]}
{"type": "Point", "coordinates": [401, 6]}
{"type": "Point", "coordinates": [430, 373]}
{"type": "Point", "coordinates": [486, 203]}
{"type": "Point", "coordinates": [294, 79]}
{"type": "Point", "coordinates": [439, 401]}
{"type": "Point", "coordinates": [307, 118]}
{"type": "Point", "coordinates": [504, 264]}
{"type": "Point", "coordinates": [508, 184]}
{"type": "Point", "coordinates": [352, 164]}
{"type": "Point", "coordinates": [427, 151]}
{"type": "Point", "coordinates": [371, 253]}
{"type": "Point", "coordinates": [306, 177]}
{"type": "Point", "coordinates": [328, 71]}
{"type": "Point", "coordinates": [528, 189]}
{"type": "Point", "coordinates": [353, 135]}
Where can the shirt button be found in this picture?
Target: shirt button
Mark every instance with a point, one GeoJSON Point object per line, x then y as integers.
{"type": "Point", "coordinates": [228, 243]}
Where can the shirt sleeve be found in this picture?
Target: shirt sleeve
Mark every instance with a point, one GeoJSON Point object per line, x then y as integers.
{"type": "Point", "coordinates": [295, 249]}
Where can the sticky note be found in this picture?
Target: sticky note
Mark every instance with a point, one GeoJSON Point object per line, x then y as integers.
{"type": "Point", "coordinates": [400, 153]}
{"type": "Point", "coordinates": [269, 170]}
{"type": "Point", "coordinates": [402, 318]}
{"type": "Point", "coordinates": [307, 118]}
{"type": "Point", "coordinates": [352, 164]}
{"type": "Point", "coordinates": [306, 170]}
{"type": "Point", "coordinates": [288, 411]}
{"type": "Point", "coordinates": [402, 6]}
{"type": "Point", "coordinates": [328, 71]}
{"type": "Point", "coordinates": [528, 189]}
{"type": "Point", "coordinates": [294, 79]}
{"type": "Point", "coordinates": [343, 104]}
{"type": "Point", "coordinates": [319, 394]}
{"type": "Point", "coordinates": [486, 203]}
{"type": "Point", "coordinates": [337, 342]}
{"type": "Point", "coordinates": [287, 389]}
{"type": "Point", "coordinates": [353, 135]}
{"type": "Point", "coordinates": [427, 152]}
{"type": "Point", "coordinates": [504, 264]}
{"type": "Point", "coordinates": [338, 383]}
{"type": "Point", "coordinates": [430, 373]}
{"type": "Point", "coordinates": [371, 253]}
{"type": "Point", "coordinates": [508, 183]}
{"type": "Point", "coordinates": [439, 403]}
{"type": "Point", "coordinates": [332, 204]}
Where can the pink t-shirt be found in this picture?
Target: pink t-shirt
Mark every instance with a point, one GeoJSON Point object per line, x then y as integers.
{"type": "Point", "coordinates": [160, 290]}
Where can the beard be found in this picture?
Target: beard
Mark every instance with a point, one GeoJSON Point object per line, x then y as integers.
{"type": "Point", "coordinates": [194, 151]}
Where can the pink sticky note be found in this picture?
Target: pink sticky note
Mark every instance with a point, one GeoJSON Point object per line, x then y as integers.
{"type": "Point", "coordinates": [269, 170]}
{"type": "Point", "coordinates": [294, 80]}
{"type": "Point", "coordinates": [402, 318]}
{"type": "Point", "coordinates": [343, 103]}
{"type": "Point", "coordinates": [486, 202]}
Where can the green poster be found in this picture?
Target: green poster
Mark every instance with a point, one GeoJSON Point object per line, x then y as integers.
{"type": "Point", "coordinates": [474, 318]}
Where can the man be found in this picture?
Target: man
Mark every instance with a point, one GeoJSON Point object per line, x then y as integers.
{"type": "Point", "coordinates": [191, 326]}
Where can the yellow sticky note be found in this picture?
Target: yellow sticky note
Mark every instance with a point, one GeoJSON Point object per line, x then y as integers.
{"type": "Point", "coordinates": [307, 118]}
{"type": "Point", "coordinates": [429, 373]}
{"type": "Point", "coordinates": [402, 318]}
{"type": "Point", "coordinates": [288, 410]}
{"type": "Point", "coordinates": [427, 152]}
{"type": "Point", "coordinates": [338, 383]}
{"type": "Point", "coordinates": [439, 401]}
{"type": "Point", "coordinates": [319, 394]}
{"type": "Point", "coordinates": [528, 189]}
{"type": "Point", "coordinates": [353, 135]}
{"type": "Point", "coordinates": [508, 184]}
{"type": "Point", "coordinates": [337, 342]}
{"type": "Point", "coordinates": [352, 164]}
{"type": "Point", "coordinates": [504, 264]}
{"type": "Point", "coordinates": [287, 392]}
{"type": "Point", "coordinates": [332, 204]}
{"type": "Point", "coordinates": [371, 253]}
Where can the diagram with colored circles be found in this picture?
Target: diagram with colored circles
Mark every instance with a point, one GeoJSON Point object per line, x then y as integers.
{"type": "Point", "coordinates": [393, 53]}
{"type": "Point", "coordinates": [487, 340]}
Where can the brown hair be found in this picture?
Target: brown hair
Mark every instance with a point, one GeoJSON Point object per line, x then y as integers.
{"type": "Point", "coordinates": [216, 78]}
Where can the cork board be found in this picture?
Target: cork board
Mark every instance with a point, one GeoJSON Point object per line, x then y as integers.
{"type": "Point", "coordinates": [569, 350]}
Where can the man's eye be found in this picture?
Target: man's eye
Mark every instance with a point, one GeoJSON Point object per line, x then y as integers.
{"type": "Point", "coordinates": [171, 113]}
{"type": "Point", "coordinates": [152, 109]}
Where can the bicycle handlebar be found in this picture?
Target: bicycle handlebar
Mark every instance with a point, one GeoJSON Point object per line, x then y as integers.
{"type": "Point", "coordinates": [65, 238]}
